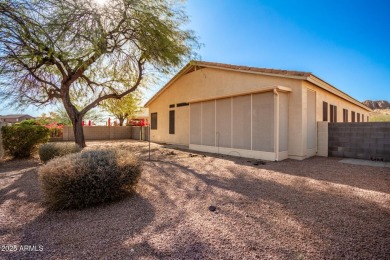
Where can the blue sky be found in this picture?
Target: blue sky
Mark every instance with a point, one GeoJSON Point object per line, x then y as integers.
{"type": "Point", "coordinates": [345, 43]}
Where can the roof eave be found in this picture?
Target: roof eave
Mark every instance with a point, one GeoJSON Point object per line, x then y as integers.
{"type": "Point", "coordinates": [192, 64]}
{"type": "Point", "coordinates": [330, 88]}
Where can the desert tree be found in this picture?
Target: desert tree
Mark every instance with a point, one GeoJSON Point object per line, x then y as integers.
{"type": "Point", "coordinates": [122, 108]}
{"type": "Point", "coordinates": [87, 51]}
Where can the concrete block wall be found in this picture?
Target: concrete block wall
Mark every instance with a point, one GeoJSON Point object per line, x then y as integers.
{"type": "Point", "coordinates": [322, 139]}
{"type": "Point", "coordinates": [370, 140]}
{"type": "Point", "coordinates": [99, 133]}
{"type": "Point", "coordinates": [140, 133]}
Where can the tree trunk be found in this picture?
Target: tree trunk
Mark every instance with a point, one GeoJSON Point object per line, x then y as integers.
{"type": "Point", "coordinates": [79, 131]}
{"type": "Point", "coordinates": [76, 119]}
{"type": "Point", "coordinates": [121, 120]}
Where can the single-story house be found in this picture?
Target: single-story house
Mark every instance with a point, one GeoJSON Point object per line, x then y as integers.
{"type": "Point", "coordinates": [14, 118]}
{"type": "Point", "coordinates": [250, 112]}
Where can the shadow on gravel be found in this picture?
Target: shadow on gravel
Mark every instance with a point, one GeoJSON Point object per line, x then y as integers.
{"type": "Point", "coordinates": [340, 226]}
{"type": "Point", "coordinates": [324, 169]}
{"type": "Point", "coordinates": [25, 188]}
{"type": "Point", "coordinates": [93, 233]}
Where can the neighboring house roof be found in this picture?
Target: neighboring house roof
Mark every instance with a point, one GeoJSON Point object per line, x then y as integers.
{"type": "Point", "coordinates": [308, 76]}
{"type": "Point", "coordinates": [15, 116]}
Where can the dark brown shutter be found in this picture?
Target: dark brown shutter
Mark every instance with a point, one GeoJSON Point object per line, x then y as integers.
{"type": "Point", "coordinates": [353, 116]}
{"type": "Point", "coordinates": [324, 111]}
{"type": "Point", "coordinates": [331, 113]}
{"type": "Point", "coordinates": [172, 122]}
{"type": "Point", "coordinates": [358, 117]}
{"type": "Point", "coordinates": [345, 115]}
{"type": "Point", "coordinates": [335, 114]}
{"type": "Point", "coordinates": [153, 117]}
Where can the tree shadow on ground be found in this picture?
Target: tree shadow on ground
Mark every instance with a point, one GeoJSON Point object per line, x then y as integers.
{"type": "Point", "coordinates": [77, 234]}
{"type": "Point", "coordinates": [327, 169]}
{"type": "Point", "coordinates": [331, 224]}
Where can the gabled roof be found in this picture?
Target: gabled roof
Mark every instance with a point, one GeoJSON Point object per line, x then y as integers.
{"type": "Point", "coordinates": [14, 116]}
{"type": "Point", "coordinates": [308, 76]}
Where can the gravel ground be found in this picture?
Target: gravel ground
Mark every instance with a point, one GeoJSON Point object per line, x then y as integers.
{"type": "Point", "coordinates": [318, 208]}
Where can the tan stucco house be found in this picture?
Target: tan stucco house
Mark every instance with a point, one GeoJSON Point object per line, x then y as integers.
{"type": "Point", "coordinates": [250, 112]}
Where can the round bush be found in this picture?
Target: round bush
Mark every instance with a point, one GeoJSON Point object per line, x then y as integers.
{"type": "Point", "coordinates": [21, 140]}
{"type": "Point", "coordinates": [51, 150]}
{"type": "Point", "coordinates": [89, 178]}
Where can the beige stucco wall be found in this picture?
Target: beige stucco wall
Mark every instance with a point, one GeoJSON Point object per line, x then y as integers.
{"type": "Point", "coordinates": [209, 82]}
{"type": "Point", "coordinates": [206, 83]}
{"type": "Point", "coordinates": [322, 147]}
{"type": "Point", "coordinates": [321, 96]}
{"type": "Point", "coordinates": [332, 99]}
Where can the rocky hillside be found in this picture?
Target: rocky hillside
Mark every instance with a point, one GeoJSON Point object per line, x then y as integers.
{"type": "Point", "coordinates": [379, 104]}
{"type": "Point", "coordinates": [381, 110]}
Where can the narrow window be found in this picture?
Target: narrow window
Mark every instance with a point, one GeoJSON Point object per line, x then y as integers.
{"type": "Point", "coordinates": [153, 117]}
{"type": "Point", "coordinates": [331, 113]}
{"type": "Point", "coordinates": [368, 119]}
{"type": "Point", "coordinates": [345, 115]}
{"type": "Point", "coordinates": [182, 104]}
{"type": "Point", "coordinates": [172, 122]}
{"type": "Point", "coordinates": [358, 117]}
{"type": "Point", "coordinates": [324, 111]}
{"type": "Point", "coordinates": [353, 116]}
{"type": "Point", "coordinates": [172, 105]}
{"type": "Point", "coordinates": [362, 118]}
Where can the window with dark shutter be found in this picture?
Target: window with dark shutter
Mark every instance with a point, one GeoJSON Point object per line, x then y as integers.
{"type": "Point", "coordinates": [324, 111]}
{"type": "Point", "coordinates": [358, 117]}
{"type": "Point", "coordinates": [172, 122]}
{"type": "Point", "coordinates": [153, 117]}
{"type": "Point", "coordinates": [352, 117]}
{"type": "Point", "coordinates": [331, 113]}
{"type": "Point", "coordinates": [345, 115]}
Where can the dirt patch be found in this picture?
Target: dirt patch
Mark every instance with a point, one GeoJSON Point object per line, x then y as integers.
{"type": "Point", "coordinates": [316, 208]}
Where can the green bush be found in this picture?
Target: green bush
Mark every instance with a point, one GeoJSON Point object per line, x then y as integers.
{"type": "Point", "coordinates": [50, 150]}
{"type": "Point", "coordinates": [21, 140]}
{"type": "Point", "coordinates": [80, 180]}
{"type": "Point", "coordinates": [28, 122]}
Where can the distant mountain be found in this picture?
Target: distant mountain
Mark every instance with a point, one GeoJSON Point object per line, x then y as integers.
{"type": "Point", "coordinates": [379, 104]}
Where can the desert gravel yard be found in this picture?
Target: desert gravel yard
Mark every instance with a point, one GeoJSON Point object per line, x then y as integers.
{"type": "Point", "coordinates": [318, 208]}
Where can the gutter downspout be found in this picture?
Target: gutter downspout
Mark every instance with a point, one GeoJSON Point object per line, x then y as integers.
{"type": "Point", "coordinates": [276, 124]}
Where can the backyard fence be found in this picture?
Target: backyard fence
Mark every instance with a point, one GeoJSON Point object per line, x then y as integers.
{"type": "Point", "coordinates": [369, 140]}
{"type": "Point", "coordinates": [106, 133]}
{"type": "Point", "coordinates": [99, 133]}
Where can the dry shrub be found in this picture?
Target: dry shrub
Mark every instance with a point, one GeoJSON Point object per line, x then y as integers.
{"type": "Point", "coordinates": [89, 178]}
{"type": "Point", "coordinates": [51, 150]}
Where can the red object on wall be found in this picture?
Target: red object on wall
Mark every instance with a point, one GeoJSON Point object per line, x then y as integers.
{"type": "Point", "coordinates": [109, 121]}
{"type": "Point", "coordinates": [82, 123]}
{"type": "Point", "coordinates": [89, 123]}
